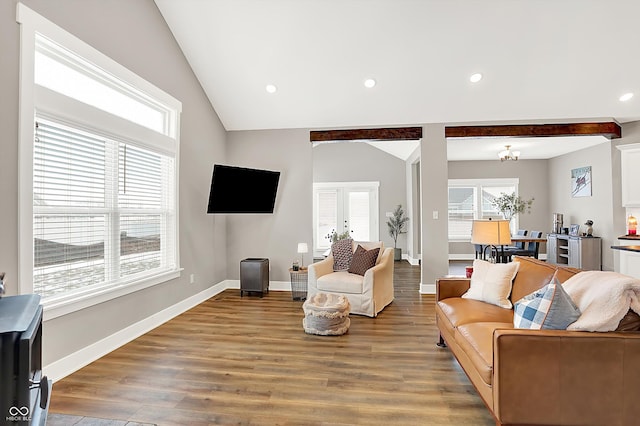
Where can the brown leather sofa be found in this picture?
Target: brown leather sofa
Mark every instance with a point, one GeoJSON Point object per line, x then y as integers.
{"type": "Point", "coordinates": [539, 377]}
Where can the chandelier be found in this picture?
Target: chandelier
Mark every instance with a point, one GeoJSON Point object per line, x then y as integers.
{"type": "Point", "coordinates": [507, 154]}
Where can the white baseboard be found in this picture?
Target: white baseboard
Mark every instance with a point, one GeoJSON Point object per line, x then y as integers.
{"type": "Point", "coordinates": [427, 288]}
{"type": "Point", "coordinates": [411, 260]}
{"type": "Point", "coordinates": [462, 256]}
{"type": "Point", "coordinates": [61, 368]}
{"type": "Point", "coordinates": [273, 285]}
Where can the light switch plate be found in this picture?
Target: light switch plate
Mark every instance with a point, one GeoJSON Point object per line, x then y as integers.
{"type": "Point", "coordinates": [435, 214]}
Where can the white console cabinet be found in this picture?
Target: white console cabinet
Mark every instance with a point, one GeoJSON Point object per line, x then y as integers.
{"type": "Point", "coordinates": [576, 252]}
{"type": "Point", "coordinates": [630, 167]}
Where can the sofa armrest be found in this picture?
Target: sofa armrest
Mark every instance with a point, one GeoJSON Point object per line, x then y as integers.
{"type": "Point", "coordinates": [565, 377]}
{"type": "Point", "coordinates": [451, 287]}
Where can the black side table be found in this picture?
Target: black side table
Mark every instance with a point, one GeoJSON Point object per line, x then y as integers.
{"type": "Point", "coordinates": [299, 284]}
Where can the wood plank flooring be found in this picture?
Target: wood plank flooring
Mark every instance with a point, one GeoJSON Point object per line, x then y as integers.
{"type": "Point", "coordinates": [247, 361]}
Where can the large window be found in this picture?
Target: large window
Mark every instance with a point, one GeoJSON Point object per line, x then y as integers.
{"type": "Point", "coordinates": [99, 152]}
{"type": "Point", "coordinates": [471, 199]}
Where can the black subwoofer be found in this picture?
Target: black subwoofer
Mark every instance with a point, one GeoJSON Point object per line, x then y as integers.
{"type": "Point", "coordinates": [254, 276]}
{"type": "Point", "coordinates": [24, 391]}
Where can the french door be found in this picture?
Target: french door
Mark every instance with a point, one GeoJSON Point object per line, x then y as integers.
{"type": "Point", "coordinates": [344, 207]}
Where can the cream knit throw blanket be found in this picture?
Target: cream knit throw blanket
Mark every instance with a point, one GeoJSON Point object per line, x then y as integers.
{"type": "Point", "coordinates": [603, 297]}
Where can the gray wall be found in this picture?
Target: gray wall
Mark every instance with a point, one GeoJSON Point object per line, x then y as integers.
{"type": "Point", "coordinates": [597, 207]}
{"type": "Point", "coordinates": [435, 198]}
{"type": "Point", "coordinates": [360, 162]}
{"type": "Point", "coordinates": [274, 236]}
{"type": "Point", "coordinates": [534, 182]}
{"type": "Point", "coordinates": [134, 34]}
{"type": "Point", "coordinates": [604, 206]}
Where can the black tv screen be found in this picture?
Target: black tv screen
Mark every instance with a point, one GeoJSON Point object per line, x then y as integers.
{"type": "Point", "coordinates": [242, 190]}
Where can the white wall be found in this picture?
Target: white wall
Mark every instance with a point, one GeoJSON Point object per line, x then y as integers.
{"type": "Point", "coordinates": [630, 134]}
{"type": "Point", "coordinates": [134, 34]}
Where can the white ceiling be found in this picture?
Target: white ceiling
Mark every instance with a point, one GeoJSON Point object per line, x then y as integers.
{"type": "Point", "coordinates": [542, 60]}
{"type": "Point", "coordinates": [530, 148]}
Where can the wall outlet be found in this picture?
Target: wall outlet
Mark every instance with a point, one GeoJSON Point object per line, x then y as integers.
{"type": "Point", "coordinates": [192, 278]}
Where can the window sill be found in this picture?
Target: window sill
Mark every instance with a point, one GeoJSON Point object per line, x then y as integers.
{"type": "Point", "coordinates": [57, 307]}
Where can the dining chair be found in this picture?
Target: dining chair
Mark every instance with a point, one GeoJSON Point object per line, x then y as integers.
{"type": "Point", "coordinates": [520, 244]}
{"type": "Point", "coordinates": [531, 250]}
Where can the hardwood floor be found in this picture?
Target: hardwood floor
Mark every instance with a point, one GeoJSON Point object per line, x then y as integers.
{"type": "Point", "coordinates": [247, 361]}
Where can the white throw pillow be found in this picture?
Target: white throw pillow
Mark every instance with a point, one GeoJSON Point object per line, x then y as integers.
{"type": "Point", "coordinates": [491, 282]}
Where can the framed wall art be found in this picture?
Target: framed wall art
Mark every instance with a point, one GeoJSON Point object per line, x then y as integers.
{"type": "Point", "coordinates": [581, 182]}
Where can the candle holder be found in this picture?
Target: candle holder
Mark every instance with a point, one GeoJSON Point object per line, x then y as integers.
{"type": "Point", "coordinates": [632, 225]}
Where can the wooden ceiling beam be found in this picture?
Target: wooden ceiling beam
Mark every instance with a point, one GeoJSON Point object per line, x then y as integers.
{"type": "Point", "coordinates": [609, 130]}
{"type": "Point", "coordinates": [383, 134]}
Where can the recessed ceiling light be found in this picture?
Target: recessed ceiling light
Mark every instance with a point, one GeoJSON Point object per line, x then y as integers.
{"type": "Point", "coordinates": [626, 97]}
{"type": "Point", "coordinates": [369, 83]}
{"type": "Point", "coordinates": [475, 77]}
{"type": "Point", "coordinates": [271, 88]}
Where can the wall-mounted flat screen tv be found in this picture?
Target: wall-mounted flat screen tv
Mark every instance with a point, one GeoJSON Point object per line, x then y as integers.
{"type": "Point", "coordinates": [242, 190]}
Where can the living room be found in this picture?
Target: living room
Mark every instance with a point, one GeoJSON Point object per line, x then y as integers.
{"type": "Point", "coordinates": [136, 35]}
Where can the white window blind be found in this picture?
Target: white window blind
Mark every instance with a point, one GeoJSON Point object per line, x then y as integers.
{"type": "Point", "coordinates": [327, 217]}
{"type": "Point", "coordinates": [359, 215]}
{"type": "Point", "coordinates": [462, 211]}
{"type": "Point", "coordinates": [98, 176]}
{"type": "Point", "coordinates": [471, 199]}
{"type": "Point", "coordinates": [341, 207]}
{"type": "Point", "coordinates": [103, 210]}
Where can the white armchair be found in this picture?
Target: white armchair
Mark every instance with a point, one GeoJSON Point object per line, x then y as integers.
{"type": "Point", "coordinates": [367, 294]}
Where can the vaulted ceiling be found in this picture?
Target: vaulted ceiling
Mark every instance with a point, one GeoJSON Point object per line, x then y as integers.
{"type": "Point", "coordinates": [541, 60]}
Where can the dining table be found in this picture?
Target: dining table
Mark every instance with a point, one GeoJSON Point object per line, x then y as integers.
{"type": "Point", "coordinates": [501, 257]}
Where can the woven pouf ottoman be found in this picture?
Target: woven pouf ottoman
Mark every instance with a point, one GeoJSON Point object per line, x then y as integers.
{"type": "Point", "coordinates": [326, 314]}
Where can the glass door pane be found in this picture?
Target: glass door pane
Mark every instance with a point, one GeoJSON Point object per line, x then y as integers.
{"type": "Point", "coordinates": [327, 217]}
{"type": "Point", "coordinates": [358, 215]}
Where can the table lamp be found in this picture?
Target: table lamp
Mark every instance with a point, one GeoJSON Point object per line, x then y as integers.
{"type": "Point", "coordinates": [490, 233]}
{"type": "Point", "coordinates": [302, 249]}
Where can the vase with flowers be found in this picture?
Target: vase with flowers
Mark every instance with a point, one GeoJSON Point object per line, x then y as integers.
{"type": "Point", "coordinates": [510, 205]}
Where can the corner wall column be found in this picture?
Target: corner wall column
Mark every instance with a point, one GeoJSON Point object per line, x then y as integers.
{"type": "Point", "coordinates": [434, 198]}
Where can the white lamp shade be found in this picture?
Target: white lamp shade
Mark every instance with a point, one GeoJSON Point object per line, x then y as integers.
{"type": "Point", "coordinates": [490, 232]}
{"type": "Point", "coordinates": [303, 248]}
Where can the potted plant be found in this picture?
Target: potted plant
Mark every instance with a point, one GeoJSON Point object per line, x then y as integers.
{"type": "Point", "coordinates": [511, 204]}
{"type": "Point", "coordinates": [396, 224]}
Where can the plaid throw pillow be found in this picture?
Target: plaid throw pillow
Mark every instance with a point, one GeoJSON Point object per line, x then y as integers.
{"type": "Point", "coordinates": [549, 308]}
{"type": "Point", "coordinates": [363, 259]}
{"type": "Point", "coordinates": [342, 251]}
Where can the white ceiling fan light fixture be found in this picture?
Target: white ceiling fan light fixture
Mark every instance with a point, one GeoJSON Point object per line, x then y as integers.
{"type": "Point", "coordinates": [626, 97]}
{"type": "Point", "coordinates": [369, 83]}
{"type": "Point", "coordinates": [475, 77]}
{"type": "Point", "coordinates": [508, 155]}
{"type": "Point", "coordinates": [271, 88]}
